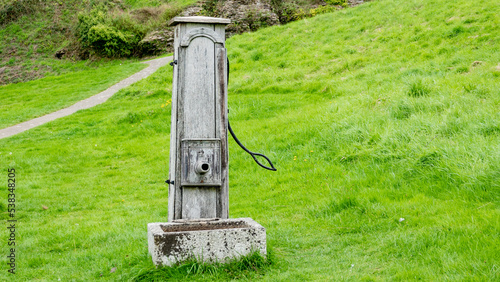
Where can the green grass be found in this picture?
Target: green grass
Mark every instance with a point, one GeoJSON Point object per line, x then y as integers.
{"type": "Point", "coordinates": [247, 267]}
{"type": "Point", "coordinates": [25, 101]}
{"type": "Point", "coordinates": [382, 122]}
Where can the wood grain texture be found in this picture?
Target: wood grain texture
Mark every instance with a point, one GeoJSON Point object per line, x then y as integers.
{"type": "Point", "coordinates": [199, 203]}
{"type": "Point", "coordinates": [201, 32]}
{"type": "Point", "coordinates": [199, 90]}
{"type": "Point", "coordinates": [172, 195]}
{"type": "Point", "coordinates": [222, 125]}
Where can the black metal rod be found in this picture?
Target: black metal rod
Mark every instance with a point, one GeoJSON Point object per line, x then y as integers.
{"type": "Point", "coordinates": [253, 154]}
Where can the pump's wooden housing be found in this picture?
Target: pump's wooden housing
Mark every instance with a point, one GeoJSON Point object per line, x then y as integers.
{"type": "Point", "coordinates": [198, 139]}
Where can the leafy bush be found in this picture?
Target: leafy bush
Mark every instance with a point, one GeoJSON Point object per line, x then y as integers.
{"type": "Point", "coordinates": [342, 3]}
{"type": "Point", "coordinates": [322, 10]}
{"type": "Point", "coordinates": [125, 23]}
{"type": "Point", "coordinates": [285, 10]}
{"type": "Point", "coordinates": [210, 7]}
{"type": "Point", "coordinates": [108, 37]}
{"type": "Point", "coordinates": [86, 22]}
{"type": "Point", "coordinates": [302, 14]}
{"type": "Point", "coordinates": [116, 33]}
{"type": "Point", "coordinates": [256, 20]}
{"type": "Point", "coordinates": [110, 42]}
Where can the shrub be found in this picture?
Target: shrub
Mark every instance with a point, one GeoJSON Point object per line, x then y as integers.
{"type": "Point", "coordinates": [210, 8]}
{"type": "Point", "coordinates": [86, 22]}
{"type": "Point", "coordinates": [125, 23]}
{"type": "Point", "coordinates": [285, 10]}
{"type": "Point", "coordinates": [289, 11]}
{"type": "Point", "coordinates": [107, 37]}
{"type": "Point", "coordinates": [110, 42]}
{"type": "Point", "coordinates": [116, 33]}
{"type": "Point", "coordinates": [302, 14]}
{"type": "Point", "coordinates": [256, 20]}
{"type": "Point", "coordinates": [342, 3]}
{"type": "Point", "coordinates": [322, 10]}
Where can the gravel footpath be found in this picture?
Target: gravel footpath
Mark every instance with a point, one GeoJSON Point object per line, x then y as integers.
{"type": "Point", "coordinates": [95, 100]}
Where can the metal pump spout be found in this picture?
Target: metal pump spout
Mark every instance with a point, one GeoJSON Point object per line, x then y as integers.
{"type": "Point", "coordinates": [202, 167]}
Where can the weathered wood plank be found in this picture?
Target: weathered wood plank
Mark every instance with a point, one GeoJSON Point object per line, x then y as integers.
{"type": "Point", "coordinates": [179, 122]}
{"type": "Point", "coordinates": [199, 203]}
{"type": "Point", "coordinates": [222, 121]}
{"type": "Point", "coordinates": [221, 30]}
{"type": "Point", "coordinates": [172, 191]}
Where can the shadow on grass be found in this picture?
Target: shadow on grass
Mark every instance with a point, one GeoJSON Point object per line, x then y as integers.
{"type": "Point", "coordinates": [250, 266]}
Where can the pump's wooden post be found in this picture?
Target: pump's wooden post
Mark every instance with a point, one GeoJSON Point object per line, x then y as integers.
{"type": "Point", "coordinates": [198, 186]}
{"type": "Point", "coordinates": [198, 141]}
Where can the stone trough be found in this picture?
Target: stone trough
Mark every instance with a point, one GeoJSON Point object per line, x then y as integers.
{"type": "Point", "coordinates": [211, 240]}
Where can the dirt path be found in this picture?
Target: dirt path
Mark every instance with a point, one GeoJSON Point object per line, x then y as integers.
{"type": "Point", "coordinates": [95, 100]}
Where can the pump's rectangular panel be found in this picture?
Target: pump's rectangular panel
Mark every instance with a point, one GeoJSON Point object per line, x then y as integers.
{"type": "Point", "coordinates": [201, 165]}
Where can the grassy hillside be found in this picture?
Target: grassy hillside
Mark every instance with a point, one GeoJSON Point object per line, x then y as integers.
{"type": "Point", "coordinates": [32, 31]}
{"type": "Point", "coordinates": [383, 122]}
{"type": "Point", "coordinates": [44, 38]}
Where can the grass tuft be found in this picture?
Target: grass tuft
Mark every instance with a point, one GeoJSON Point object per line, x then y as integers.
{"type": "Point", "coordinates": [335, 207]}
{"type": "Point", "coordinates": [247, 267]}
{"type": "Point", "coordinates": [418, 89]}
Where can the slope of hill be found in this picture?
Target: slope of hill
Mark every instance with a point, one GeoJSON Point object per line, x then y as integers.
{"type": "Point", "coordinates": [383, 123]}
{"type": "Point", "coordinates": [40, 38]}
{"type": "Point", "coordinates": [33, 32]}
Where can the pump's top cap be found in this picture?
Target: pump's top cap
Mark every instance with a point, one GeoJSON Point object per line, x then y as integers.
{"type": "Point", "coordinates": [198, 19]}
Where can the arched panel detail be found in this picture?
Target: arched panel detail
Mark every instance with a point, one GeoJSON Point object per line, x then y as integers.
{"type": "Point", "coordinates": [200, 32]}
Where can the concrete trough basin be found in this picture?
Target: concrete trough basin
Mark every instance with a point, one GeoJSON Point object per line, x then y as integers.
{"type": "Point", "coordinates": [210, 240]}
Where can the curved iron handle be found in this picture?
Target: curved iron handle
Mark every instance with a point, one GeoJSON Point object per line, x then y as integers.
{"type": "Point", "coordinates": [272, 168]}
